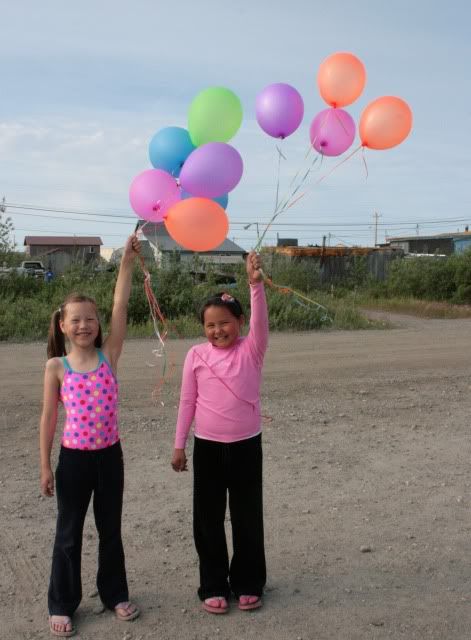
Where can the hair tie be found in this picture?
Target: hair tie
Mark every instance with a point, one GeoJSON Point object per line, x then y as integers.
{"type": "Point", "coordinates": [226, 297]}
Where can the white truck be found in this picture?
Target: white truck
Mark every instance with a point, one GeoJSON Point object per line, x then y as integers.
{"type": "Point", "coordinates": [33, 268]}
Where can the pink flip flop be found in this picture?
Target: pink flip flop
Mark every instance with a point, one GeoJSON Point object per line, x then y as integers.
{"type": "Point", "coordinates": [126, 606]}
{"type": "Point", "coordinates": [217, 604]}
{"type": "Point", "coordinates": [247, 603]}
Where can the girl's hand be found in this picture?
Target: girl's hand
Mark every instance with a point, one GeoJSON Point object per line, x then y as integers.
{"type": "Point", "coordinates": [132, 247]}
{"type": "Point", "coordinates": [254, 267]}
{"type": "Point", "coordinates": [47, 483]}
{"type": "Point", "coordinates": [179, 462]}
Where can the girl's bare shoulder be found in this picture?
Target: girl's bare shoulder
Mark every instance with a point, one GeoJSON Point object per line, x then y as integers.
{"type": "Point", "coordinates": [54, 366]}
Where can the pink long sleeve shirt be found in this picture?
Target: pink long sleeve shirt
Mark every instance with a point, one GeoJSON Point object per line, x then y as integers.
{"type": "Point", "coordinates": [221, 387]}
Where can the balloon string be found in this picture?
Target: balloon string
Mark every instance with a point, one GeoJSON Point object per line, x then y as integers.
{"type": "Point", "coordinates": [364, 161]}
{"type": "Point", "coordinates": [157, 317]}
{"type": "Point", "coordinates": [326, 175]}
{"type": "Point", "coordinates": [280, 155]}
{"type": "Point", "coordinates": [284, 204]}
{"type": "Point", "coordinates": [311, 146]}
{"type": "Point", "coordinates": [339, 119]}
{"type": "Point", "coordinates": [288, 291]}
{"type": "Point", "coordinates": [283, 207]}
{"type": "Point", "coordinates": [350, 155]}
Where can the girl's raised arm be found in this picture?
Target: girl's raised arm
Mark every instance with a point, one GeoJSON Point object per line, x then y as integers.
{"type": "Point", "coordinates": [114, 342]}
{"type": "Point", "coordinates": [47, 425]}
{"type": "Point", "coordinates": [258, 332]}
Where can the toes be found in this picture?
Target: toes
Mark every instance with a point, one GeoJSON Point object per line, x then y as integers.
{"type": "Point", "coordinates": [61, 623]}
{"type": "Point", "coordinates": [217, 602]}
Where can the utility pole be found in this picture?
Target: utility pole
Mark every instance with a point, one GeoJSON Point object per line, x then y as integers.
{"type": "Point", "coordinates": [376, 216]}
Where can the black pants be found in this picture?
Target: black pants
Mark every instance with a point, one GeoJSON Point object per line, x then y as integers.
{"type": "Point", "coordinates": [78, 475]}
{"type": "Point", "coordinates": [234, 469]}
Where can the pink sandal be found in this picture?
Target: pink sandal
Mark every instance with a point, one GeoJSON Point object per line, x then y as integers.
{"type": "Point", "coordinates": [216, 604]}
{"type": "Point", "coordinates": [247, 603]}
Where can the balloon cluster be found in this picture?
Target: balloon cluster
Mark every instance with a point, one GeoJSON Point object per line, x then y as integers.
{"type": "Point", "coordinates": [195, 169]}
{"type": "Point", "coordinates": [341, 78]}
{"type": "Point", "coordinates": [193, 172]}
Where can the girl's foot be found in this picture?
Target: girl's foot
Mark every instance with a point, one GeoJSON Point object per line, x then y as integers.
{"type": "Point", "coordinates": [61, 626]}
{"type": "Point", "coordinates": [217, 604]}
{"type": "Point", "coordinates": [126, 611]}
{"type": "Point", "coordinates": [246, 603]}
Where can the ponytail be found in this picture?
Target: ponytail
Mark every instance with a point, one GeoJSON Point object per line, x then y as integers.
{"type": "Point", "coordinates": [55, 338]}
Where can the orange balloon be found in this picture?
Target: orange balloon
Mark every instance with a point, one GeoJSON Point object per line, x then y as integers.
{"type": "Point", "coordinates": [341, 79]}
{"type": "Point", "coordinates": [385, 123]}
{"type": "Point", "coordinates": [198, 224]}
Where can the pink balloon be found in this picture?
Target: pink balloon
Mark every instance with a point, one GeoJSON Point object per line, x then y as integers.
{"type": "Point", "coordinates": [211, 170]}
{"type": "Point", "coordinates": [152, 192]}
{"type": "Point", "coordinates": [332, 132]}
{"type": "Point", "coordinates": [279, 109]}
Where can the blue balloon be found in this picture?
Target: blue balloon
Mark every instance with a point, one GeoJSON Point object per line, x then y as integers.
{"type": "Point", "coordinates": [169, 149]}
{"type": "Point", "coordinates": [221, 200]}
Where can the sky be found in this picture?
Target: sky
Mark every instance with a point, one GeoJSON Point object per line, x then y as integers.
{"type": "Point", "coordinates": [85, 86]}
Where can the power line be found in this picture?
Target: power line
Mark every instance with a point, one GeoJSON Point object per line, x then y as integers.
{"type": "Point", "coordinates": [344, 225]}
{"type": "Point", "coordinates": [34, 215]}
{"type": "Point", "coordinates": [85, 235]}
{"type": "Point", "coordinates": [29, 207]}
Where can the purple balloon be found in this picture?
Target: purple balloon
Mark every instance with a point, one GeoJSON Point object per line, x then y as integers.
{"type": "Point", "coordinates": [279, 110]}
{"type": "Point", "coordinates": [211, 170]}
{"type": "Point", "coordinates": [152, 192]}
{"type": "Point", "coordinates": [332, 132]}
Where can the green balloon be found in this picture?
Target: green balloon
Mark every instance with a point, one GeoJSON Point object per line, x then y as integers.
{"type": "Point", "coordinates": [215, 116]}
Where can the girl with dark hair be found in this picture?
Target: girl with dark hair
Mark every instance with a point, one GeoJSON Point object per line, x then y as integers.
{"type": "Point", "coordinates": [90, 459]}
{"type": "Point", "coordinates": [221, 392]}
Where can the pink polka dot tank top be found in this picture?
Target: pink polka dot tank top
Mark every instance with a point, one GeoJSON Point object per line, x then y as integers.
{"type": "Point", "coordinates": [90, 400]}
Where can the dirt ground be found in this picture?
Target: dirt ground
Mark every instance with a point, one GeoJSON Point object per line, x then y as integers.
{"type": "Point", "coordinates": [367, 494]}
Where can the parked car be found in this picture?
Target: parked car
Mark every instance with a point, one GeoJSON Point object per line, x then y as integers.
{"type": "Point", "coordinates": [34, 268]}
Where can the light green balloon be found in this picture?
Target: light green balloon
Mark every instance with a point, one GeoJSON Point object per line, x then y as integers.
{"type": "Point", "coordinates": [215, 116]}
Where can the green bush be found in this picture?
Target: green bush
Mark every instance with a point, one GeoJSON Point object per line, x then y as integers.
{"type": "Point", "coordinates": [434, 278]}
{"type": "Point", "coordinates": [26, 304]}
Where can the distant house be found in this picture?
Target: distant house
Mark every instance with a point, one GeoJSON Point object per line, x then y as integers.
{"type": "Point", "coordinates": [165, 249]}
{"type": "Point", "coordinates": [287, 242]}
{"type": "Point", "coordinates": [59, 252]}
{"type": "Point", "coordinates": [335, 264]}
{"type": "Point", "coordinates": [442, 243]}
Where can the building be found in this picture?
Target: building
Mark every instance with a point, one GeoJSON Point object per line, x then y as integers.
{"type": "Point", "coordinates": [57, 253]}
{"type": "Point", "coordinates": [337, 263]}
{"type": "Point", "coordinates": [442, 243]}
{"type": "Point", "coordinates": [165, 249]}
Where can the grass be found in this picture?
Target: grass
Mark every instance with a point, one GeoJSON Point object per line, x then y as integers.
{"type": "Point", "coordinates": [418, 308]}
